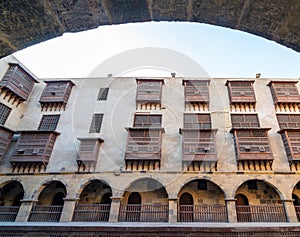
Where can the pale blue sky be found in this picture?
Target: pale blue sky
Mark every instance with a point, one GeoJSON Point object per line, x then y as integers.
{"type": "Point", "coordinates": [220, 51]}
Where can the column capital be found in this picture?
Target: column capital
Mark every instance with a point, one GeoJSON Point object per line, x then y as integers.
{"type": "Point", "coordinates": [287, 200]}
{"type": "Point", "coordinates": [173, 199]}
{"type": "Point", "coordinates": [70, 199]}
{"type": "Point", "coordinates": [116, 198]}
{"type": "Point", "coordinates": [28, 200]}
{"type": "Point", "coordinates": [230, 199]}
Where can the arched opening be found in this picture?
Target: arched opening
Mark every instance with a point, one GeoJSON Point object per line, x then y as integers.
{"type": "Point", "coordinates": [94, 202]}
{"type": "Point", "coordinates": [296, 199]}
{"type": "Point", "coordinates": [186, 204]}
{"type": "Point", "coordinates": [241, 199]}
{"type": "Point", "coordinates": [257, 201]}
{"type": "Point", "coordinates": [11, 195]}
{"type": "Point", "coordinates": [146, 200]}
{"type": "Point", "coordinates": [206, 202]}
{"type": "Point", "coordinates": [50, 203]}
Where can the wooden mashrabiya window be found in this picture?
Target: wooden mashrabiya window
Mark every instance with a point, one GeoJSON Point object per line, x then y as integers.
{"type": "Point", "coordinates": [17, 84]}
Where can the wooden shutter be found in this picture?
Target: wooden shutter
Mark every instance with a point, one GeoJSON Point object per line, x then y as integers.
{"type": "Point", "coordinates": [196, 90]}
{"type": "Point", "coordinates": [201, 121]}
{"type": "Point", "coordinates": [241, 91]}
{"type": "Point", "coordinates": [147, 120]}
{"type": "Point", "coordinates": [288, 120]}
{"type": "Point", "coordinates": [149, 91]}
{"type": "Point", "coordinates": [283, 91]}
{"type": "Point", "coordinates": [4, 113]}
{"type": "Point", "coordinates": [244, 120]}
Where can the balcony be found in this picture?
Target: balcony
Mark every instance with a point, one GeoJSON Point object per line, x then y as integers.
{"type": "Point", "coordinates": [17, 84]}
{"type": "Point", "coordinates": [56, 94]}
{"type": "Point", "coordinates": [261, 213]}
{"type": "Point", "coordinates": [45, 213]}
{"type": "Point", "coordinates": [8, 213]}
{"type": "Point", "coordinates": [33, 150]}
{"type": "Point", "coordinates": [143, 150]}
{"type": "Point", "coordinates": [6, 136]}
{"type": "Point", "coordinates": [202, 213]}
{"type": "Point", "coordinates": [91, 212]}
{"type": "Point", "coordinates": [144, 213]}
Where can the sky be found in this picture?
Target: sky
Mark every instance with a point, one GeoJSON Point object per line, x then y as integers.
{"type": "Point", "coordinates": [220, 51]}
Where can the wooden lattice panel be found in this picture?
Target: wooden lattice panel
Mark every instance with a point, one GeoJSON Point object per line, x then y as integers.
{"type": "Point", "coordinates": [33, 150]}
{"type": "Point", "coordinates": [5, 139]}
{"type": "Point", "coordinates": [252, 148]}
{"type": "Point", "coordinates": [241, 95]}
{"type": "Point", "coordinates": [148, 92]}
{"type": "Point", "coordinates": [17, 84]}
{"type": "Point", "coordinates": [88, 153]}
{"type": "Point", "coordinates": [56, 94]}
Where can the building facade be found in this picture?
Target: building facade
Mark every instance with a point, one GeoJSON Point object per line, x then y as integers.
{"type": "Point", "coordinates": [148, 150]}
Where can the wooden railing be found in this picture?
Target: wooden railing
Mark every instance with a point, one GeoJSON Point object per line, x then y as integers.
{"type": "Point", "coordinates": [202, 213]}
{"type": "Point", "coordinates": [263, 213]}
{"type": "Point", "coordinates": [8, 213]}
{"type": "Point", "coordinates": [43, 213]}
{"type": "Point", "coordinates": [91, 212]}
{"type": "Point", "coordinates": [297, 209]}
{"type": "Point", "coordinates": [144, 213]}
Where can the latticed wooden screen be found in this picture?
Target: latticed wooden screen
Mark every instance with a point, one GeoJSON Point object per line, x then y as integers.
{"type": "Point", "coordinates": [147, 120]}
{"type": "Point", "coordinates": [197, 121]}
{"type": "Point", "coordinates": [288, 120]}
{"type": "Point", "coordinates": [241, 91]}
{"type": "Point", "coordinates": [96, 123]}
{"type": "Point", "coordinates": [196, 90]}
{"type": "Point", "coordinates": [4, 113]}
{"type": "Point", "coordinates": [49, 122]}
{"type": "Point", "coordinates": [149, 91]}
{"type": "Point", "coordinates": [244, 121]}
{"type": "Point", "coordinates": [284, 92]}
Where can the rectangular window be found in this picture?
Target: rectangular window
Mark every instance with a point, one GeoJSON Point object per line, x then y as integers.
{"type": "Point", "coordinates": [96, 123]}
{"type": "Point", "coordinates": [283, 92]}
{"type": "Point", "coordinates": [103, 93]}
{"type": "Point", "coordinates": [147, 120]}
{"type": "Point", "coordinates": [197, 121]}
{"type": "Point", "coordinates": [4, 113]}
{"type": "Point", "coordinates": [49, 122]}
{"type": "Point", "coordinates": [196, 90]}
{"type": "Point", "coordinates": [244, 121]}
{"type": "Point", "coordinates": [149, 91]}
{"type": "Point", "coordinates": [241, 91]}
{"type": "Point", "coordinates": [288, 120]}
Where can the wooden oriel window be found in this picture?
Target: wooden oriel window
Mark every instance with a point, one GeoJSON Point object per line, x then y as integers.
{"type": "Point", "coordinates": [49, 122]}
{"type": "Point", "coordinates": [4, 113]}
{"type": "Point", "coordinates": [149, 91]}
{"type": "Point", "coordinates": [196, 91]}
{"type": "Point", "coordinates": [88, 152]}
{"type": "Point", "coordinates": [56, 93]}
{"type": "Point", "coordinates": [241, 91]}
{"type": "Point", "coordinates": [284, 91]}
{"type": "Point", "coordinates": [288, 120]}
{"type": "Point", "coordinates": [199, 145]}
{"type": "Point", "coordinates": [143, 143]}
{"type": "Point", "coordinates": [147, 120]}
{"type": "Point", "coordinates": [291, 142]}
{"type": "Point", "coordinates": [96, 123]}
{"type": "Point", "coordinates": [252, 144]}
{"type": "Point", "coordinates": [197, 121]}
{"type": "Point", "coordinates": [33, 150]}
{"type": "Point", "coordinates": [103, 93]}
{"type": "Point", "coordinates": [244, 121]}
{"type": "Point", "coordinates": [5, 139]}
{"type": "Point", "coordinates": [17, 83]}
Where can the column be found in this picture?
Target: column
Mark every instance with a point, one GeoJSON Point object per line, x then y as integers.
{"type": "Point", "coordinates": [290, 210]}
{"type": "Point", "coordinates": [114, 209]}
{"type": "Point", "coordinates": [231, 210]}
{"type": "Point", "coordinates": [68, 209]}
{"type": "Point", "coordinates": [173, 209]}
{"type": "Point", "coordinates": [24, 210]}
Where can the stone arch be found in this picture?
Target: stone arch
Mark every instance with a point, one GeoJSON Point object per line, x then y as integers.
{"type": "Point", "coordinates": [179, 187]}
{"type": "Point", "coordinates": [93, 191]}
{"type": "Point", "coordinates": [152, 185]}
{"type": "Point", "coordinates": [49, 190]}
{"type": "Point", "coordinates": [11, 194]}
{"type": "Point", "coordinates": [271, 20]}
{"type": "Point", "coordinates": [237, 186]}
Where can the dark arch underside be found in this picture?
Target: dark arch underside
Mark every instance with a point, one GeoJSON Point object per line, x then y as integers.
{"type": "Point", "coordinates": [24, 23]}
